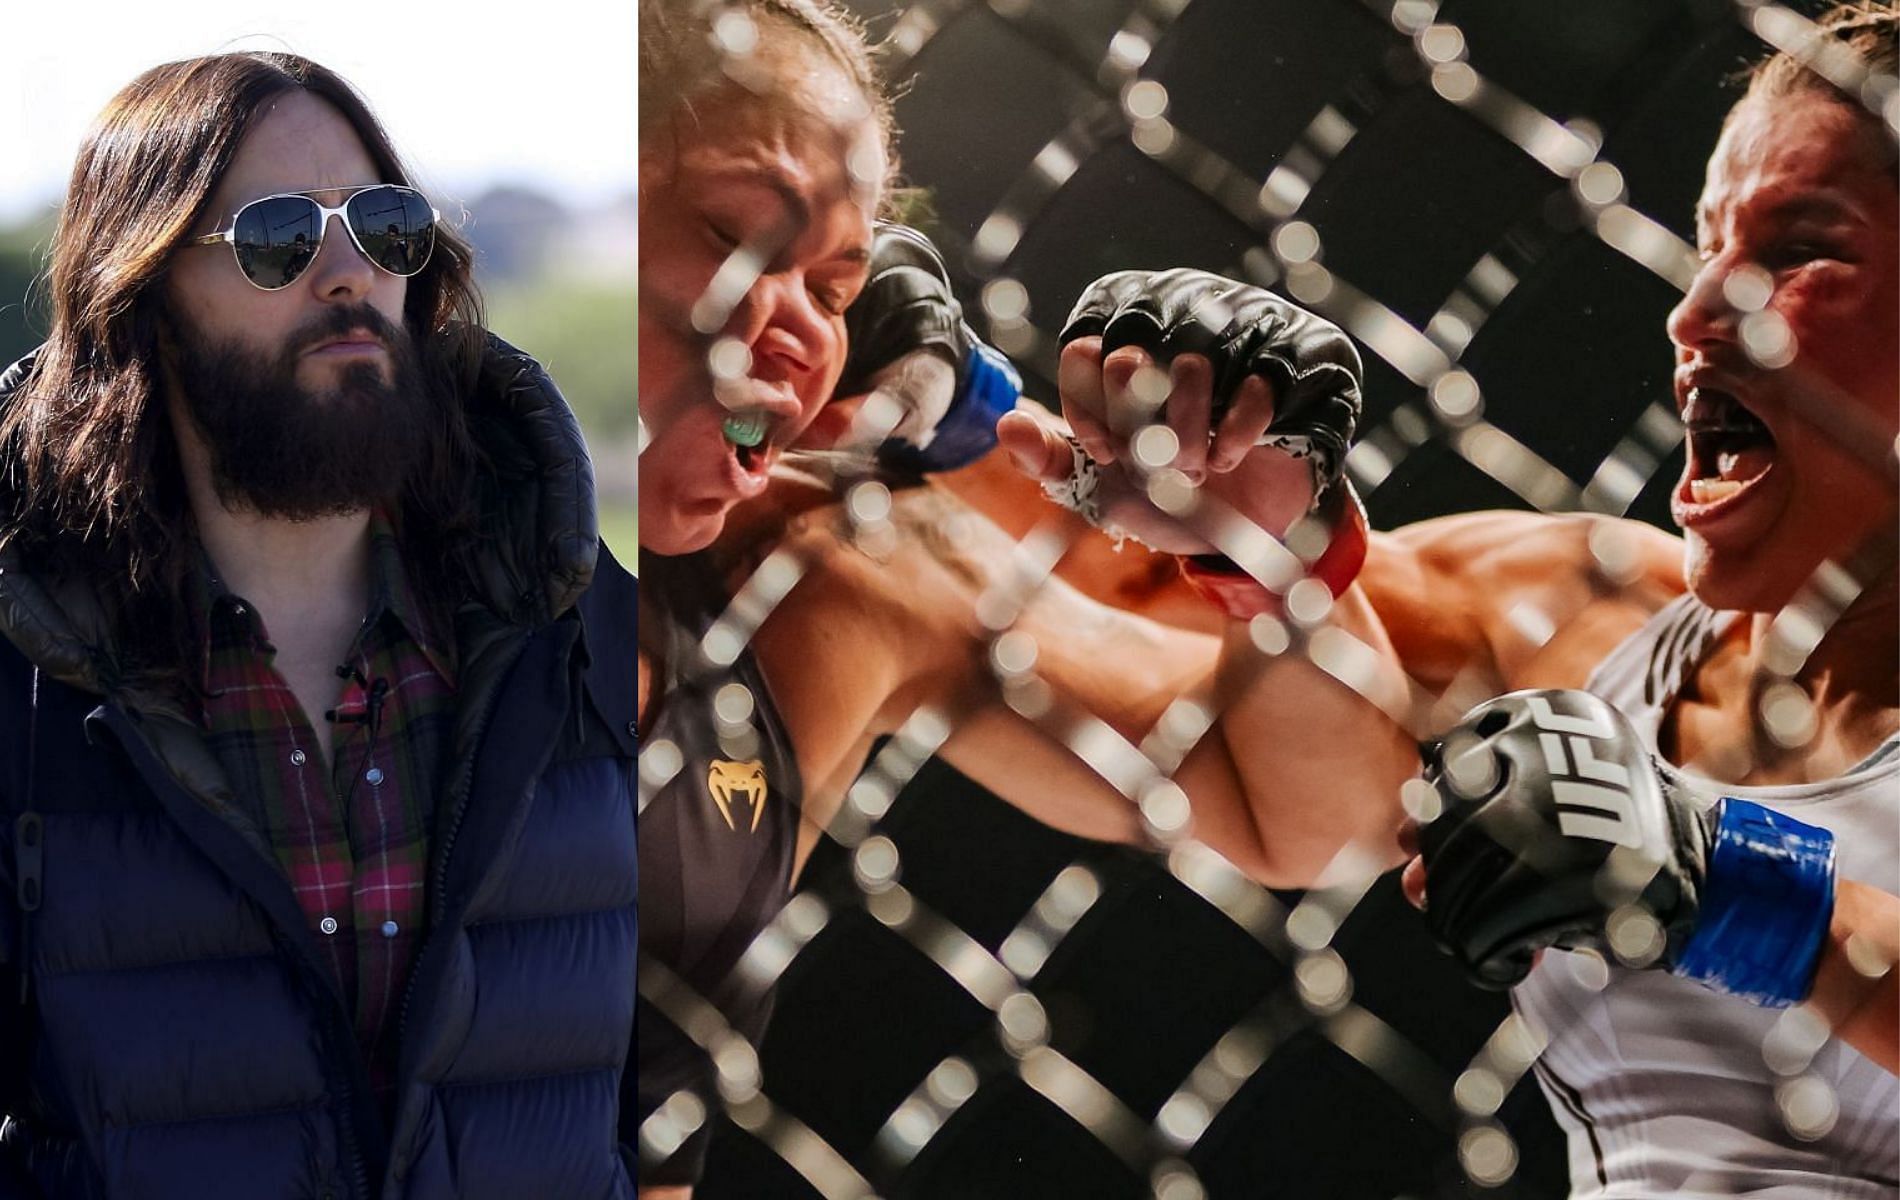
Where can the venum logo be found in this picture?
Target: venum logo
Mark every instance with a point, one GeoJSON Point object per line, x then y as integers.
{"type": "Point", "coordinates": [737, 783]}
{"type": "Point", "coordinates": [1592, 794]}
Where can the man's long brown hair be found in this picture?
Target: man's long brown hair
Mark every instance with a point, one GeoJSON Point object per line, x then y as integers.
{"type": "Point", "coordinates": [89, 475]}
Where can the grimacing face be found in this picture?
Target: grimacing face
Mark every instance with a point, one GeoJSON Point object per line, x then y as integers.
{"type": "Point", "coordinates": [1799, 208]}
{"type": "Point", "coordinates": [748, 173]}
{"type": "Point", "coordinates": [301, 144]}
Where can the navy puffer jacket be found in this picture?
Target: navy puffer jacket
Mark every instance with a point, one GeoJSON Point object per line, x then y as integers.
{"type": "Point", "coordinates": [166, 1026]}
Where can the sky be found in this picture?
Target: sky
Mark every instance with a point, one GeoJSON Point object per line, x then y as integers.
{"type": "Point", "coordinates": [539, 92]}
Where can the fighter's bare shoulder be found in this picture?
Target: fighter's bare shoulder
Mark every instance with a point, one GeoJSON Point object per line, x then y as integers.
{"type": "Point", "coordinates": [919, 550]}
{"type": "Point", "coordinates": [901, 572]}
{"type": "Point", "coordinates": [1505, 600]}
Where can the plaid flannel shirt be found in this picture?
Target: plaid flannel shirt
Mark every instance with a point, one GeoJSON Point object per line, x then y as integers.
{"type": "Point", "coordinates": [353, 839]}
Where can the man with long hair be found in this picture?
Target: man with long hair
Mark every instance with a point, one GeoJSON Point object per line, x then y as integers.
{"type": "Point", "coordinates": [316, 690]}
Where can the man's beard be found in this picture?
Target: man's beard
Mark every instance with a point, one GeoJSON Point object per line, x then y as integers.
{"type": "Point", "coordinates": [283, 450]}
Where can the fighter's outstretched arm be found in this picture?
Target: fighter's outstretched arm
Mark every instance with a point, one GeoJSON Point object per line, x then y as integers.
{"type": "Point", "coordinates": [1178, 377]}
{"type": "Point", "coordinates": [1207, 416]}
{"type": "Point", "coordinates": [1469, 606]}
{"type": "Point", "coordinates": [1303, 756]}
{"type": "Point", "coordinates": [875, 633]}
{"type": "Point", "coordinates": [1048, 702]}
{"type": "Point", "coordinates": [1475, 604]}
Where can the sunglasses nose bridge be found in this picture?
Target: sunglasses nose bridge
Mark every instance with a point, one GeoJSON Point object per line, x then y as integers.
{"type": "Point", "coordinates": [336, 241]}
{"type": "Point", "coordinates": [341, 219]}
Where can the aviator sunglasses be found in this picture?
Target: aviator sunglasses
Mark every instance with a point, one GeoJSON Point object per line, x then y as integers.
{"type": "Point", "coordinates": [277, 237]}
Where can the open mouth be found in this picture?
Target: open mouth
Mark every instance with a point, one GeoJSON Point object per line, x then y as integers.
{"type": "Point", "coordinates": [749, 433]}
{"type": "Point", "coordinates": [1729, 446]}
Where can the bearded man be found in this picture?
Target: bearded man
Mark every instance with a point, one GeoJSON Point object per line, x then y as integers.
{"type": "Point", "coordinates": [316, 691]}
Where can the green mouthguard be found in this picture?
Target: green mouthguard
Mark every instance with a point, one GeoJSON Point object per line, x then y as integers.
{"type": "Point", "coordinates": [746, 429]}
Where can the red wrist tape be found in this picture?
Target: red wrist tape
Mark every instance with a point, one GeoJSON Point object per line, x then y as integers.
{"type": "Point", "coordinates": [1222, 582]}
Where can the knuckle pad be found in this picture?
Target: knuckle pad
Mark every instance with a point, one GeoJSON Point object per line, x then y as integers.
{"type": "Point", "coordinates": [1099, 303]}
{"type": "Point", "coordinates": [1135, 327]}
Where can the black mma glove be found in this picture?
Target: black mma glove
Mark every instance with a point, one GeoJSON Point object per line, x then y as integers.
{"type": "Point", "coordinates": [1558, 831]}
{"type": "Point", "coordinates": [1314, 373]}
{"type": "Point", "coordinates": [907, 308]}
{"type": "Point", "coordinates": [1243, 330]}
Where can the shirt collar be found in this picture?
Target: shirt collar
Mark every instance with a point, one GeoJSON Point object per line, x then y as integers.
{"type": "Point", "coordinates": [219, 615]}
{"type": "Point", "coordinates": [393, 592]}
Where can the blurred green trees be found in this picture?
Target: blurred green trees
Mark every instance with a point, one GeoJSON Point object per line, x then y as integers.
{"type": "Point", "coordinates": [582, 330]}
{"type": "Point", "coordinates": [583, 333]}
{"type": "Point", "coordinates": [22, 322]}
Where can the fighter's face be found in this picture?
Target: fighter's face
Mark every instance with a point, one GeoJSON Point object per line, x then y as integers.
{"type": "Point", "coordinates": [721, 392]}
{"type": "Point", "coordinates": [1787, 407]}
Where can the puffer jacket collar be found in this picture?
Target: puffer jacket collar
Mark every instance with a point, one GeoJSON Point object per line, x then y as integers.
{"type": "Point", "coordinates": [538, 491]}
{"type": "Point", "coordinates": [61, 628]}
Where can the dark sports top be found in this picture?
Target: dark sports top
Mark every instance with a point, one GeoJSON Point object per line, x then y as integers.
{"type": "Point", "coordinates": [717, 836]}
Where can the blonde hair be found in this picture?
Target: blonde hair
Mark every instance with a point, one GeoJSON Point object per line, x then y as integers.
{"type": "Point", "coordinates": [1854, 39]}
{"type": "Point", "coordinates": [691, 47]}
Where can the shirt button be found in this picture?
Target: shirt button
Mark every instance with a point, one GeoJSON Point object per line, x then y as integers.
{"type": "Point", "coordinates": [328, 925]}
{"type": "Point", "coordinates": [297, 758]}
{"type": "Point", "coordinates": [390, 929]}
{"type": "Point", "coordinates": [374, 775]}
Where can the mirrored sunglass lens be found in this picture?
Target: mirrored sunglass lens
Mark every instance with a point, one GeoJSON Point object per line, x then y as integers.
{"type": "Point", "coordinates": [395, 227]}
{"type": "Point", "coordinates": [276, 239]}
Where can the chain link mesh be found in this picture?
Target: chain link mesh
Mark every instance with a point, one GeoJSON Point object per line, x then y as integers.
{"type": "Point", "coordinates": [1008, 1023]}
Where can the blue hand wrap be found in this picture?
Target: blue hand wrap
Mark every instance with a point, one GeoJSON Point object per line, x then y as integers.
{"type": "Point", "coordinates": [987, 389]}
{"type": "Point", "coordinates": [1766, 904]}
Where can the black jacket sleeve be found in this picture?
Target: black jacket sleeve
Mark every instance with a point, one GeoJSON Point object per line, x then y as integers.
{"type": "Point", "coordinates": [15, 1183]}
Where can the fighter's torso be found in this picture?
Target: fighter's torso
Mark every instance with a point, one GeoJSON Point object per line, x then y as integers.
{"type": "Point", "coordinates": [719, 783]}
{"type": "Point", "coordinates": [1666, 1088]}
{"type": "Point", "coordinates": [722, 796]}
{"type": "Point", "coordinates": [718, 827]}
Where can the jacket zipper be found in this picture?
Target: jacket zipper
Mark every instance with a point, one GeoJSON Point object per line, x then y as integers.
{"type": "Point", "coordinates": [359, 1170]}
{"type": "Point", "coordinates": [29, 857]}
{"type": "Point", "coordinates": [29, 850]}
{"type": "Point", "coordinates": [458, 795]}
